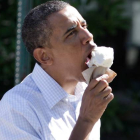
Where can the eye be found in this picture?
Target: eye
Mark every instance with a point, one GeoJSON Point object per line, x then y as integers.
{"type": "Point", "coordinates": [71, 33]}
{"type": "Point", "coordinates": [85, 26]}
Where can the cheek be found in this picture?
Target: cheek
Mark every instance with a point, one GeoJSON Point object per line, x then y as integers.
{"type": "Point", "coordinates": [74, 44]}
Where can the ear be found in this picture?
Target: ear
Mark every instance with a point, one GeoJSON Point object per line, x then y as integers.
{"type": "Point", "coordinates": [43, 56]}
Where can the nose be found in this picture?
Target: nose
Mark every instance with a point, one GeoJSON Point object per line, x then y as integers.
{"type": "Point", "coordinates": [86, 36]}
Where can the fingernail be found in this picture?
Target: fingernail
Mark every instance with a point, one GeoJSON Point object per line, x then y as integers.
{"type": "Point", "coordinates": [105, 76]}
{"type": "Point", "coordinates": [102, 77]}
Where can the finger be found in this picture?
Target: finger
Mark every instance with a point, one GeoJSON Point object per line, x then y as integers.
{"type": "Point", "coordinates": [105, 92]}
{"type": "Point", "coordinates": [95, 81]}
{"type": "Point", "coordinates": [109, 98]}
{"type": "Point", "coordinates": [102, 84]}
{"type": "Point", "coordinates": [103, 77]}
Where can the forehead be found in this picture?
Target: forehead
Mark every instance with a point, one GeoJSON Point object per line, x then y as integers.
{"type": "Point", "coordinates": [65, 18]}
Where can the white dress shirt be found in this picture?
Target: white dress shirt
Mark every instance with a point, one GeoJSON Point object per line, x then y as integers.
{"type": "Point", "coordinates": [39, 109]}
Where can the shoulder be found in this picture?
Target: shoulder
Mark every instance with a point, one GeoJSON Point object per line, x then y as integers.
{"type": "Point", "coordinates": [21, 96]}
{"type": "Point", "coordinates": [17, 116]}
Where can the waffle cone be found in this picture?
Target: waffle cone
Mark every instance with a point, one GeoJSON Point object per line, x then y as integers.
{"type": "Point", "coordinates": [94, 72]}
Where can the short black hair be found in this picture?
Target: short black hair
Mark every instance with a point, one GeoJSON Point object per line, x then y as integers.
{"type": "Point", "coordinates": [36, 29]}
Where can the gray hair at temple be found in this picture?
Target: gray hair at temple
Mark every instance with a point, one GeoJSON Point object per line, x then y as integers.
{"type": "Point", "coordinates": [36, 29]}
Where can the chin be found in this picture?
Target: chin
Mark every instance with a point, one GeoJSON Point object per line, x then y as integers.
{"type": "Point", "coordinates": [85, 67]}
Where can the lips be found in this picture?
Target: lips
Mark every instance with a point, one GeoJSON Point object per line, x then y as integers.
{"type": "Point", "coordinates": [91, 47]}
{"type": "Point", "coordinates": [88, 58]}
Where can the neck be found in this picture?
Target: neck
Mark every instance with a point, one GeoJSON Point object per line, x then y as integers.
{"type": "Point", "coordinates": [64, 80]}
{"type": "Point", "coordinates": [69, 87]}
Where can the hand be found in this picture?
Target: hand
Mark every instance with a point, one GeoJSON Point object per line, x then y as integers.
{"type": "Point", "coordinates": [94, 102]}
{"type": "Point", "coordinates": [95, 99]}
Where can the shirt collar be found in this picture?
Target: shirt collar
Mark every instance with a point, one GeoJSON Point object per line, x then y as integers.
{"type": "Point", "coordinates": [50, 89]}
{"type": "Point", "coordinates": [79, 90]}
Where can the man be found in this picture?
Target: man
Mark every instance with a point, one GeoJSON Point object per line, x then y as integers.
{"type": "Point", "coordinates": [54, 102]}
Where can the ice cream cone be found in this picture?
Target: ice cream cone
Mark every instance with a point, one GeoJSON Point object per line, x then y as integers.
{"type": "Point", "coordinates": [100, 63]}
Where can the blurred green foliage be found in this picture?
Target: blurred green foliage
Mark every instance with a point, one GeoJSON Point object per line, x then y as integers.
{"type": "Point", "coordinates": [8, 14]}
{"type": "Point", "coordinates": [107, 18]}
{"type": "Point", "coordinates": [109, 26]}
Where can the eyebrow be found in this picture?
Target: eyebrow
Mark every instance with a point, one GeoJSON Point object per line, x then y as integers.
{"type": "Point", "coordinates": [70, 29]}
{"type": "Point", "coordinates": [84, 22]}
{"type": "Point", "coordinates": [73, 27]}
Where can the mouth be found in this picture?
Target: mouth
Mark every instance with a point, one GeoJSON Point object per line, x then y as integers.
{"type": "Point", "coordinates": [92, 47]}
{"type": "Point", "coordinates": [88, 58]}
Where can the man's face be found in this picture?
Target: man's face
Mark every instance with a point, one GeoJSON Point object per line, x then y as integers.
{"type": "Point", "coordinates": [71, 42]}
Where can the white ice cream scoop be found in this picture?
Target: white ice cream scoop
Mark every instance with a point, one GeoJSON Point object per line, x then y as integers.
{"type": "Point", "coordinates": [102, 56]}
{"type": "Point", "coordinates": [99, 64]}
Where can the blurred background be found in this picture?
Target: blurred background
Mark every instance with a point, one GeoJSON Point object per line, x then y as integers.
{"type": "Point", "coordinates": [114, 23]}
